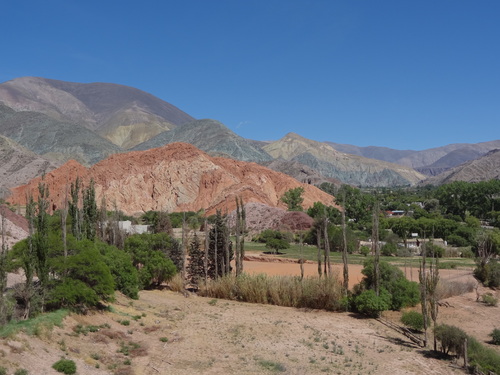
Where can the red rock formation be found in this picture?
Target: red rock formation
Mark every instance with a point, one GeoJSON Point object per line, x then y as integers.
{"type": "Point", "coordinates": [176, 177]}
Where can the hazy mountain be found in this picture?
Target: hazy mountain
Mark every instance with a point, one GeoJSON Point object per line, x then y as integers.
{"type": "Point", "coordinates": [430, 162]}
{"type": "Point", "coordinates": [348, 168]}
{"type": "Point", "coordinates": [487, 167]}
{"type": "Point", "coordinates": [372, 152]}
{"type": "Point", "coordinates": [124, 115]}
{"type": "Point", "coordinates": [175, 177]}
{"type": "Point", "coordinates": [210, 136]}
{"type": "Point", "coordinates": [19, 165]}
{"type": "Point", "coordinates": [452, 159]}
{"type": "Point", "coordinates": [56, 140]}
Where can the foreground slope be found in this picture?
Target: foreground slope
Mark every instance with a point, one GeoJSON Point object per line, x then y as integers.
{"type": "Point", "coordinates": [177, 335]}
{"type": "Point", "coordinates": [176, 177]}
{"type": "Point", "coordinates": [124, 115]}
{"type": "Point", "coordinates": [350, 169]}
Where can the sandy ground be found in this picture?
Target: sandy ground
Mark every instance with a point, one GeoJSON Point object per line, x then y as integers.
{"type": "Point", "coordinates": [172, 334]}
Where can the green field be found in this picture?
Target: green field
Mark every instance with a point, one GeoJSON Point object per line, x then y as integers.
{"type": "Point", "coordinates": [311, 253]}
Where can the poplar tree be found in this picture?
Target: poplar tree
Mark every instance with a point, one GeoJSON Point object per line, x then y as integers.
{"type": "Point", "coordinates": [90, 213]}
{"type": "Point", "coordinates": [240, 230]}
{"type": "Point", "coordinates": [28, 256]}
{"type": "Point", "coordinates": [344, 252]}
{"type": "Point", "coordinates": [196, 267]}
{"type": "Point", "coordinates": [74, 210]}
{"type": "Point", "coordinates": [219, 243]}
{"type": "Point", "coordinates": [42, 239]}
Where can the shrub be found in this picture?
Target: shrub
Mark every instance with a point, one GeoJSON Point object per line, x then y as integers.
{"type": "Point", "coordinates": [489, 299]}
{"type": "Point", "coordinates": [452, 338]}
{"type": "Point", "coordinates": [413, 320]}
{"type": "Point", "coordinates": [488, 274]}
{"type": "Point", "coordinates": [368, 303]}
{"type": "Point", "coordinates": [66, 366]}
{"type": "Point", "coordinates": [485, 359]}
{"type": "Point", "coordinates": [458, 241]}
{"type": "Point", "coordinates": [21, 371]}
{"type": "Point", "coordinates": [402, 292]}
{"type": "Point", "coordinates": [467, 253]}
{"type": "Point", "coordinates": [389, 249]}
{"type": "Point", "coordinates": [495, 336]}
{"type": "Point", "coordinates": [364, 250]}
{"type": "Point", "coordinates": [432, 250]}
{"type": "Point", "coordinates": [3, 371]}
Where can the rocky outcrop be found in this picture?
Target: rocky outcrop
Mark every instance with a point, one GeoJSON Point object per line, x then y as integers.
{"type": "Point", "coordinates": [300, 172]}
{"type": "Point", "coordinates": [176, 177]}
{"type": "Point", "coordinates": [261, 216]}
{"type": "Point", "coordinates": [16, 226]}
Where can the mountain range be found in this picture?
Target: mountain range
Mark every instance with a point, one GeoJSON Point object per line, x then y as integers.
{"type": "Point", "coordinates": [59, 121]}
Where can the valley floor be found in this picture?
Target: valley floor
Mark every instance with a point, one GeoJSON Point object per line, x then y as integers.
{"type": "Point", "coordinates": [166, 333]}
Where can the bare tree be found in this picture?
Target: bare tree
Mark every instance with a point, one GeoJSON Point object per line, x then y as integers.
{"type": "Point", "coordinates": [318, 241]}
{"type": "Point", "coordinates": [3, 270]}
{"type": "Point", "coordinates": [344, 251]}
{"type": "Point", "coordinates": [301, 260]}
{"type": "Point", "coordinates": [328, 264]}
{"type": "Point", "coordinates": [376, 247]}
{"type": "Point", "coordinates": [423, 292]}
{"type": "Point", "coordinates": [240, 229]}
{"type": "Point", "coordinates": [432, 282]}
{"type": "Point", "coordinates": [207, 244]}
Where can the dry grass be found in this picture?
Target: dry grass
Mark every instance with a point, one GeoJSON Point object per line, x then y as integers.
{"type": "Point", "coordinates": [448, 288]}
{"type": "Point", "coordinates": [288, 291]}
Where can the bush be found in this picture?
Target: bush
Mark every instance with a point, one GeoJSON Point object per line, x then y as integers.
{"type": "Point", "coordinates": [413, 320]}
{"type": "Point", "coordinates": [467, 253]}
{"type": "Point", "coordinates": [402, 292]}
{"type": "Point", "coordinates": [368, 303]}
{"type": "Point", "coordinates": [458, 241]}
{"type": "Point", "coordinates": [489, 299]}
{"type": "Point", "coordinates": [432, 250]}
{"type": "Point", "coordinates": [21, 371]}
{"type": "Point", "coordinates": [364, 250]}
{"type": "Point", "coordinates": [495, 336]}
{"type": "Point", "coordinates": [451, 338]}
{"type": "Point", "coordinates": [3, 371]}
{"type": "Point", "coordinates": [488, 274]}
{"type": "Point", "coordinates": [66, 366]}
{"type": "Point", "coordinates": [485, 359]}
{"type": "Point", "coordinates": [389, 249]}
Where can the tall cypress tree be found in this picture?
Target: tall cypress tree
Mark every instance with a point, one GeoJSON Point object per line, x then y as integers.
{"type": "Point", "coordinates": [42, 239]}
{"type": "Point", "coordinates": [196, 266]}
{"type": "Point", "coordinates": [90, 214]}
{"type": "Point", "coordinates": [219, 243]}
{"type": "Point", "coordinates": [74, 209]}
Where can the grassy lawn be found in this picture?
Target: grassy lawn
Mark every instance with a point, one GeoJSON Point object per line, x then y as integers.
{"type": "Point", "coordinates": [311, 253]}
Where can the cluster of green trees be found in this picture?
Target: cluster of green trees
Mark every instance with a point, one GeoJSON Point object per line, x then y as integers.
{"type": "Point", "coordinates": [77, 257]}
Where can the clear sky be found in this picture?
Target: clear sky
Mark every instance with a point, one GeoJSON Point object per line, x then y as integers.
{"type": "Point", "coordinates": [405, 74]}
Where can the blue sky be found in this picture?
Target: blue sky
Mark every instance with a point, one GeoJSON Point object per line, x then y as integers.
{"type": "Point", "coordinates": [400, 74]}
